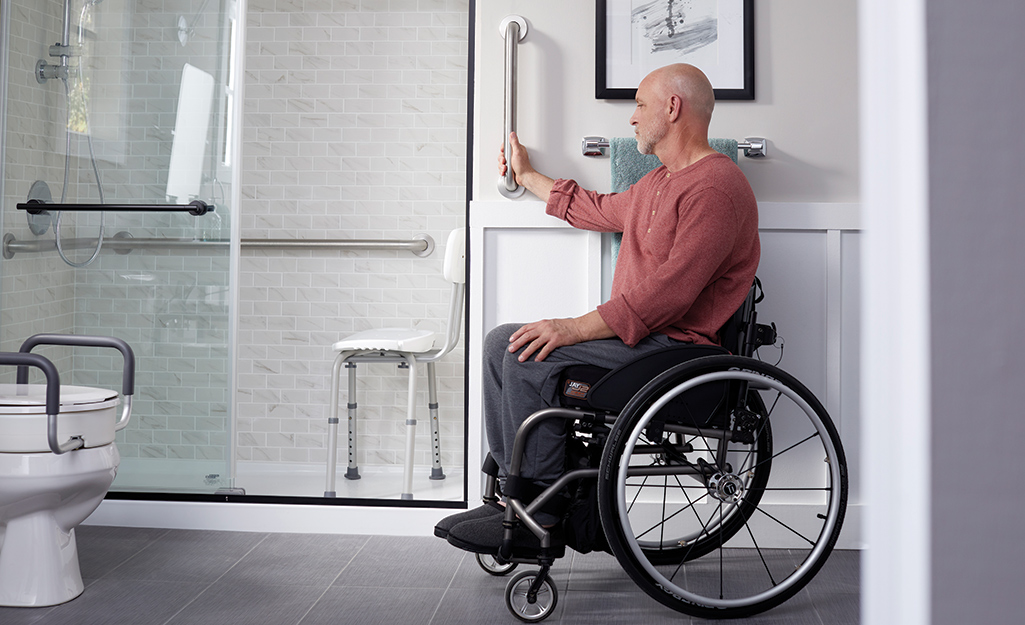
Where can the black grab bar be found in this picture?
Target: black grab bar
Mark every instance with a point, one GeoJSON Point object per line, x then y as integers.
{"type": "Point", "coordinates": [195, 207]}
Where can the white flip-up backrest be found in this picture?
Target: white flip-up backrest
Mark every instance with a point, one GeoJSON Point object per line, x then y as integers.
{"type": "Point", "coordinates": [455, 256]}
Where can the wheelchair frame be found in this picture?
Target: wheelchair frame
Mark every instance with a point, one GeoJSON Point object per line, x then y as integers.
{"type": "Point", "coordinates": [695, 455]}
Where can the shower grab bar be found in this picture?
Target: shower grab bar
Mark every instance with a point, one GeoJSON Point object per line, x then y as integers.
{"type": "Point", "coordinates": [195, 207]}
{"type": "Point", "coordinates": [753, 147]}
{"type": "Point", "coordinates": [123, 243]}
{"type": "Point", "coordinates": [513, 29]}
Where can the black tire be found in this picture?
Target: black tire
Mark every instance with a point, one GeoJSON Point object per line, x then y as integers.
{"type": "Point", "coordinates": [731, 541]}
{"type": "Point", "coordinates": [521, 607]}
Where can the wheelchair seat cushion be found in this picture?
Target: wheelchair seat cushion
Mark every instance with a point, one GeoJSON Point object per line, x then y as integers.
{"type": "Point", "coordinates": [595, 388]}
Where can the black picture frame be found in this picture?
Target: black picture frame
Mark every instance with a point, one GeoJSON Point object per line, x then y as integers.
{"type": "Point", "coordinates": [604, 90]}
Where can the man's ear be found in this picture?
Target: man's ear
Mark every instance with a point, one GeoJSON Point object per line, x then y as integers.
{"type": "Point", "coordinates": [674, 107]}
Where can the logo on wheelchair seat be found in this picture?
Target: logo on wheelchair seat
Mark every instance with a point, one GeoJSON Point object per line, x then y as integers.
{"type": "Point", "coordinates": [576, 389]}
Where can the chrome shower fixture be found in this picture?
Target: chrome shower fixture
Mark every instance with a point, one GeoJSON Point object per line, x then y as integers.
{"type": "Point", "coordinates": [185, 31]}
{"type": "Point", "coordinates": [63, 49]}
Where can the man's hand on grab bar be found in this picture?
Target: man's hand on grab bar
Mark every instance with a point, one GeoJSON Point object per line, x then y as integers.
{"type": "Point", "coordinates": [526, 176]}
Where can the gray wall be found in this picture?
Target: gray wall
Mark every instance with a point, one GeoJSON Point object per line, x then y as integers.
{"type": "Point", "coordinates": [976, 184]}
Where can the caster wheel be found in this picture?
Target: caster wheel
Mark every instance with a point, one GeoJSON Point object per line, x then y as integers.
{"type": "Point", "coordinates": [527, 608]}
{"type": "Point", "coordinates": [492, 566]}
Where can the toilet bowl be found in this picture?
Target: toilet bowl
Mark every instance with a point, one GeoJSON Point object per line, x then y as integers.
{"type": "Point", "coordinates": [47, 488]}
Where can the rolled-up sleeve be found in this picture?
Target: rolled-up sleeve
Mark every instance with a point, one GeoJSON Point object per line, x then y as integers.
{"type": "Point", "coordinates": [587, 210]}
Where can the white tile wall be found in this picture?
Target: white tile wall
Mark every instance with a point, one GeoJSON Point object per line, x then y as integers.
{"type": "Point", "coordinates": [354, 128]}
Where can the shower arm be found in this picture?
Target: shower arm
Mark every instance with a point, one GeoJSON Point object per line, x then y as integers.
{"type": "Point", "coordinates": [195, 207]}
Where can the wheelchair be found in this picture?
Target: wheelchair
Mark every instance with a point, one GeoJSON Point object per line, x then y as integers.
{"type": "Point", "coordinates": [718, 481]}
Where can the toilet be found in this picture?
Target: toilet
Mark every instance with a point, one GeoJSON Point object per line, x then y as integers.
{"type": "Point", "coordinates": [44, 494]}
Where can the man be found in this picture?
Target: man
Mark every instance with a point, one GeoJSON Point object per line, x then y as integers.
{"type": "Point", "coordinates": [687, 259]}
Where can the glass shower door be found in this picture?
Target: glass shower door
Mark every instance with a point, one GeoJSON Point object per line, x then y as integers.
{"type": "Point", "coordinates": [134, 107]}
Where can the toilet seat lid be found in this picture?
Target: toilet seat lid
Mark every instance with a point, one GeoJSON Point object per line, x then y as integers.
{"type": "Point", "coordinates": [31, 398]}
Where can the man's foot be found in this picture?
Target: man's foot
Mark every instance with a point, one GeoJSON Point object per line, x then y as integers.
{"type": "Point", "coordinates": [487, 510]}
{"type": "Point", "coordinates": [485, 535]}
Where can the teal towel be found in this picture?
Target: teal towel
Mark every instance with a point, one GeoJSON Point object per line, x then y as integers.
{"type": "Point", "coordinates": [725, 146]}
{"type": "Point", "coordinates": [629, 166]}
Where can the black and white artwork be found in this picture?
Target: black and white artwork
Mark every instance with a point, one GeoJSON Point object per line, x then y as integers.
{"type": "Point", "coordinates": [635, 37]}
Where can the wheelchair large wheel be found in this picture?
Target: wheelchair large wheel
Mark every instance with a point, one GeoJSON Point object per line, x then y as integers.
{"type": "Point", "coordinates": [732, 512]}
{"type": "Point", "coordinates": [695, 540]}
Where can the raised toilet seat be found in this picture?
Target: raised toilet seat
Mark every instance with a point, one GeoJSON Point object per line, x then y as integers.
{"type": "Point", "coordinates": [57, 461]}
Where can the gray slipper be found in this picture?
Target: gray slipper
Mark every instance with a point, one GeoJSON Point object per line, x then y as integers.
{"type": "Point", "coordinates": [485, 536]}
{"type": "Point", "coordinates": [489, 509]}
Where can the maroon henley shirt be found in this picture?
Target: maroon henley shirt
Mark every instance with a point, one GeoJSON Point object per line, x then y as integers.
{"type": "Point", "coordinates": [689, 252]}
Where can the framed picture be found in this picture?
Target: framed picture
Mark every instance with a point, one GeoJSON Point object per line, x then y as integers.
{"type": "Point", "coordinates": [635, 37]}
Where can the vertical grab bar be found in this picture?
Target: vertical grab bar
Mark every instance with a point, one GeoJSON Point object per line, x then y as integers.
{"type": "Point", "coordinates": [513, 29]}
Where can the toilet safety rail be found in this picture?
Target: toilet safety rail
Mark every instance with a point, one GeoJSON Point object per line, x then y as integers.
{"type": "Point", "coordinates": [124, 243]}
{"type": "Point", "coordinates": [23, 359]}
{"type": "Point", "coordinates": [513, 29]}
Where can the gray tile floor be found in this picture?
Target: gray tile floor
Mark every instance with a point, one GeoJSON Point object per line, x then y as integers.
{"type": "Point", "coordinates": [139, 576]}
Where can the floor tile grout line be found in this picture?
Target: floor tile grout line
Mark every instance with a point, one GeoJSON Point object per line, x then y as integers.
{"type": "Point", "coordinates": [137, 553]}
{"type": "Point", "coordinates": [330, 584]}
{"type": "Point", "coordinates": [219, 578]}
{"type": "Point", "coordinates": [451, 581]}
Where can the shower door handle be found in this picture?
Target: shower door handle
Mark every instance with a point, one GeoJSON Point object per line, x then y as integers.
{"type": "Point", "coordinates": [513, 29]}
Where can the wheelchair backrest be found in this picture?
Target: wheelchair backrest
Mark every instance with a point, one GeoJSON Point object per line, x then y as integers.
{"type": "Point", "coordinates": [740, 334]}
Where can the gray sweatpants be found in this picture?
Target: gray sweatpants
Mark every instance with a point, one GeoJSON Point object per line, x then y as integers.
{"type": "Point", "coordinates": [514, 390]}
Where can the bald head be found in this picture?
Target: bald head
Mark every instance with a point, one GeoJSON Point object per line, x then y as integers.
{"type": "Point", "coordinates": [690, 84]}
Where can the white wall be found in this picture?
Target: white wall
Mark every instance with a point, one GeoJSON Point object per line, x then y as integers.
{"type": "Point", "coordinates": [806, 102]}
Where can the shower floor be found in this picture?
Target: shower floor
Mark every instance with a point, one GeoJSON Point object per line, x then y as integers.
{"type": "Point", "coordinates": [158, 475]}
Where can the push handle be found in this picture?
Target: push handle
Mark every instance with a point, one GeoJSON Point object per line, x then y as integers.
{"type": "Point", "coordinates": [53, 394]}
{"type": "Point", "coordinates": [75, 340]}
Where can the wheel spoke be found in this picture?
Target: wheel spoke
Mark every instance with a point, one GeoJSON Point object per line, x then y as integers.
{"type": "Point", "coordinates": [784, 525]}
{"type": "Point", "coordinates": [778, 454]}
{"type": "Point", "coordinates": [634, 500]}
{"type": "Point", "coordinates": [662, 523]}
{"type": "Point", "coordinates": [761, 556]}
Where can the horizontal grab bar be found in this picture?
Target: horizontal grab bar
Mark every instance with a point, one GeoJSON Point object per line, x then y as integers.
{"type": "Point", "coordinates": [195, 207]}
{"type": "Point", "coordinates": [123, 243]}
{"type": "Point", "coordinates": [420, 244]}
{"type": "Point", "coordinates": [753, 147]}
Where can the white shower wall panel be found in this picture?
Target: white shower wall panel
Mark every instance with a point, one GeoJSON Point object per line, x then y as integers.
{"type": "Point", "coordinates": [354, 128]}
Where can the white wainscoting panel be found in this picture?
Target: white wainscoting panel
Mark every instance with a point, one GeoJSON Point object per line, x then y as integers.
{"type": "Point", "coordinates": [526, 265]}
